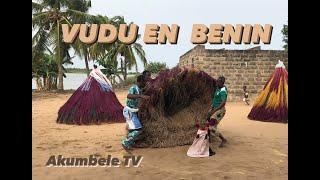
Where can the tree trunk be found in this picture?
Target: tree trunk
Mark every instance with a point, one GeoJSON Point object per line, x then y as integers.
{"type": "Point", "coordinates": [59, 60]}
{"type": "Point", "coordinates": [39, 83]}
{"type": "Point", "coordinates": [87, 64]}
{"type": "Point", "coordinates": [113, 80]}
{"type": "Point", "coordinates": [60, 77]}
{"type": "Point", "coordinates": [54, 84]}
{"type": "Point", "coordinates": [121, 63]}
{"type": "Point", "coordinates": [121, 80]}
{"type": "Point", "coordinates": [49, 83]}
{"type": "Point", "coordinates": [125, 70]}
{"type": "Point", "coordinates": [45, 81]}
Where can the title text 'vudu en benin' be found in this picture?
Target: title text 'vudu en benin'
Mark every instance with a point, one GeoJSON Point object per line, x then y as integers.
{"type": "Point", "coordinates": [155, 34]}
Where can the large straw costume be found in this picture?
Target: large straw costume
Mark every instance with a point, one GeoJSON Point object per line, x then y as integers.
{"type": "Point", "coordinates": [178, 97]}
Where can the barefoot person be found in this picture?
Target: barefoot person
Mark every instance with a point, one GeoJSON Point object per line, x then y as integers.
{"type": "Point", "coordinates": [218, 110]}
{"type": "Point", "coordinates": [130, 113]}
{"type": "Point", "coordinates": [245, 95]}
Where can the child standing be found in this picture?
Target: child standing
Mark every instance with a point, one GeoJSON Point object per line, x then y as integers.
{"type": "Point", "coordinates": [130, 113]}
{"type": "Point", "coordinates": [245, 95]}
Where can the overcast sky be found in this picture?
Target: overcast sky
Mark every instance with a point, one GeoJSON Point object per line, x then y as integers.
{"type": "Point", "coordinates": [185, 13]}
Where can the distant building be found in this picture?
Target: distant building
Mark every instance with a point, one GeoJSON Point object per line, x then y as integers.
{"type": "Point", "coordinates": [251, 67]}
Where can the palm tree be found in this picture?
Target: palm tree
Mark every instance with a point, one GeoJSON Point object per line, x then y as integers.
{"type": "Point", "coordinates": [285, 36]}
{"type": "Point", "coordinates": [111, 68]}
{"type": "Point", "coordinates": [44, 66]}
{"type": "Point", "coordinates": [91, 51]}
{"type": "Point", "coordinates": [47, 17]}
{"type": "Point", "coordinates": [128, 53]}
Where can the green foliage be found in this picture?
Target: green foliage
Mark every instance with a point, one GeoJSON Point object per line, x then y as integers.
{"type": "Point", "coordinates": [47, 17]}
{"type": "Point", "coordinates": [285, 36]}
{"type": "Point", "coordinates": [130, 80]}
{"type": "Point", "coordinates": [76, 70]}
{"type": "Point", "coordinates": [109, 64]}
{"type": "Point", "coordinates": [128, 53]}
{"type": "Point", "coordinates": [45, 68]}
{"type": "Point", "coordinates": [156, 67]}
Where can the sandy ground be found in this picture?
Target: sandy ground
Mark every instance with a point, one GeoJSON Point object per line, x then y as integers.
{"type": "Point", "coordinates": [256, 150]}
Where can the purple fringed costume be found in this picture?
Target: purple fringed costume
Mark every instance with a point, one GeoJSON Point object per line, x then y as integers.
{"type": "Point", "coordinates": [94, 102]}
